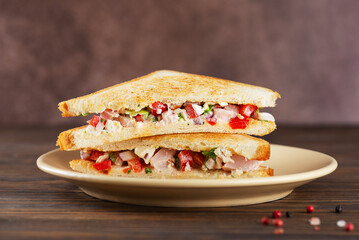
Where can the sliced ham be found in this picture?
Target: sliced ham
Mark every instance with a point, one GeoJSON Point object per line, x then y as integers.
{"type": "Point", "coordinates": [118, 161]}
{"type": "Point", "coordinates": [232, 108]}
{"type": "Point", "coordinates": [85, 154]}
{"type": "Point", "coordinates": [126, 121]}
{"type": "Point", "coordinates": [109, 115]}
{"type": "Point", "coordinates": [224, 115]}
{"type": "Point", "coordinates": [161, 159]}
{"type": "Point", "coordinates": [241, 163]}
{"type": "Point", "coordinates": [127, 155]}
{"type": "Point", "coordinates": [169, 117]}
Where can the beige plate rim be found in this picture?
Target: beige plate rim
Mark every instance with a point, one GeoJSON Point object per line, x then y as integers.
{"type": "Point", "coordinates": [45, 165]}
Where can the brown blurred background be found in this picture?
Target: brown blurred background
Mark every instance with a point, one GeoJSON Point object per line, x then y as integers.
{"type": "Point", "coordinates": [307, 50]}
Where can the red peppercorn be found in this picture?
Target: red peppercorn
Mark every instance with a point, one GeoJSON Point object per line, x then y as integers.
{"type": "Point", "coordinates": [278, 222]}
{"type": "Point", "coordinates": [278, 231]}
{"type": "Point", "coordinates": [310, 209]}
{"type": "Point", "coordinates": [265, 220]}
{"type": "Point", "coordinates": [277, 214]}
{"type": "Point", "coordinates": [349, 227]}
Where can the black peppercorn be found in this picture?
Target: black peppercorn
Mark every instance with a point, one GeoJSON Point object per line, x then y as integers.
{"type": "Point", "coordinates": [288, 214]}
{"type": "Point", "coordinates": [339, 209]}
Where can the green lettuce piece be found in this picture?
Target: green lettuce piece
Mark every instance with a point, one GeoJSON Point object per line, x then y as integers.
{"type": "Point", "coordinates": [143, 112]}
{"type": "Point", "coordinates": [112, 157]}
{"type": "Point", "coordinates": [208, 109]}
{"type": "Point", "coordinates": [181, 116]}
{"type": "Point", "coordinates": [210, 154]}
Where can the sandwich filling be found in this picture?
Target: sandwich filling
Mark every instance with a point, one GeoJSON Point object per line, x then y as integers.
{"type": "Point", "coordinates": [237, 116]}
{"type": "Point", "coordinates": [148, 159]}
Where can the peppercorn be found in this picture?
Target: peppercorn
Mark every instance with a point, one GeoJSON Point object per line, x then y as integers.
{"type": "Point", "coordinates": [277, 214]}
{"type": "Point", "coordinates": [339, 209]}
{"type": "Point", "coordinates": [288, 214]}
{"type": "Point", "coordinates": [265, 220]}
{"type": "Point", "coordinates": [278, 222]}
{"type": "Point", "coordinates": [278, 231]}
{"type": "Point", "coordinates": [349, 227]}
{"type": "Point", "coordinates": [310, 209]}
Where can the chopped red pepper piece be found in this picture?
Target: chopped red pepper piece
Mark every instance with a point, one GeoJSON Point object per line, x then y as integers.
{"type": "Point", "coordinates": [236, 123]}
{"type": "Point", "coordinates": [158, 106]}
{"type": "Point", "coordinates": [125, 170]}
{"type": "Point", "coordinates": [247, 110]}
{"type": "Point", "coordinates": [94, 121]}
{"type": "Point", "coordinates": [190, 111]}
{"type": "Point", "coordinates": [96, 154]}
{"type": "Point", "coordinates": [139, 118]}
{"type": "Point", "coordinates": [212, 121]}
{"type": "Point", "coordinates": [185, 157]}
{"type": "Point", "coordinates": [135, 164]}
{"type": "Point", "coordinates": [104, 165]}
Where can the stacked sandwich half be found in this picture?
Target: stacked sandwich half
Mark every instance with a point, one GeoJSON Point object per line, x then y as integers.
{"type": "Point", "coordinates": [174, 125]}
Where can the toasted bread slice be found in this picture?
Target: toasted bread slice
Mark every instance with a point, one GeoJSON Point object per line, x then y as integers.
{"type": "Point", "coordinates": [87, 138]}
{"type": "Point", "coordinates": [250, 147]}
{"type": "Point", "coordinates": [169, 87]}
{"type": "Point", "coordinates": [85, 166]}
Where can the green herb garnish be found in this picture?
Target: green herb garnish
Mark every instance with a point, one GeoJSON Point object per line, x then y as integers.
{"type": "Point", "coordinates": [181, 116]}
{"type": "Point", "coordinates": [143, 112]}
{"type": "Point", "coordinates": [102, 120]}
{"type": "Point", "coordinates": [148, 170]}
{"type": "Point", "coordinates": [210, 154]}
{"type": "Point", "coordinates": [177, 163]}
{"type": "Point", "coordinates": [208, 109]}
{"type": "Point", "coordinates": [128, 171]}
{"type": "Point", "coordinates": [257, 110]}
{"type": "Point", "coordinates": [84, 114]}
{"type": "Point", "coordinates": [112, 157]}
{"type": "Point", "coordinates": [264, 120]}
{"type": "Point", "coordinates": [138, 105]}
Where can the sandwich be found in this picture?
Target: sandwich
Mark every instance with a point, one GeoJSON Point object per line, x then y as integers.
{"type": "Point", "coordinates": [167, 102]}
{"type": "Point", "coordinates": [189, 155]}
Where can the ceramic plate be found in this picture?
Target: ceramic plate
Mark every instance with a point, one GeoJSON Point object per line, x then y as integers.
{"type": "Point", "coordinates": [292, 166]}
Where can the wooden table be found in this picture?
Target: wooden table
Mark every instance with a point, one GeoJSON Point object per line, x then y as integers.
{"type": "Point", "coordinates": [35, 205]}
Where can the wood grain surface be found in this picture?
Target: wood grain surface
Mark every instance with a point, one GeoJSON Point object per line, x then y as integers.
{"type": "Point", "coordinates": [35, 205]}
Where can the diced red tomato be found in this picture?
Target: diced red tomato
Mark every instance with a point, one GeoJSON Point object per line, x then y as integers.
{"type": "Point", "coordinates": [198, 159]}
{"type": "Point", "coordinates": [96, 154]}
{"type": "Point", "coordinates": [190, 111]}
{"type": "Point", "coordinates": [94, 121]}
{"type": "Point", "coordinates": [104, 165]}
{"type": "Point", "coordinates": [185, 157]}
{"type": "Point", "coordinates": [139, 118]}
{"type": "Point", "coordinates": [247, 110]}
{"type": "Point", "coordinates": [212, 121]}
{"type": "Point", "coordinates": [135, 165]}
{"type": "Point", "coordinates": [236, 123]}
{"type": "Point", "coordinates": [125, 170]}
{"type": "Point", "coordinates": [158, 106]}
